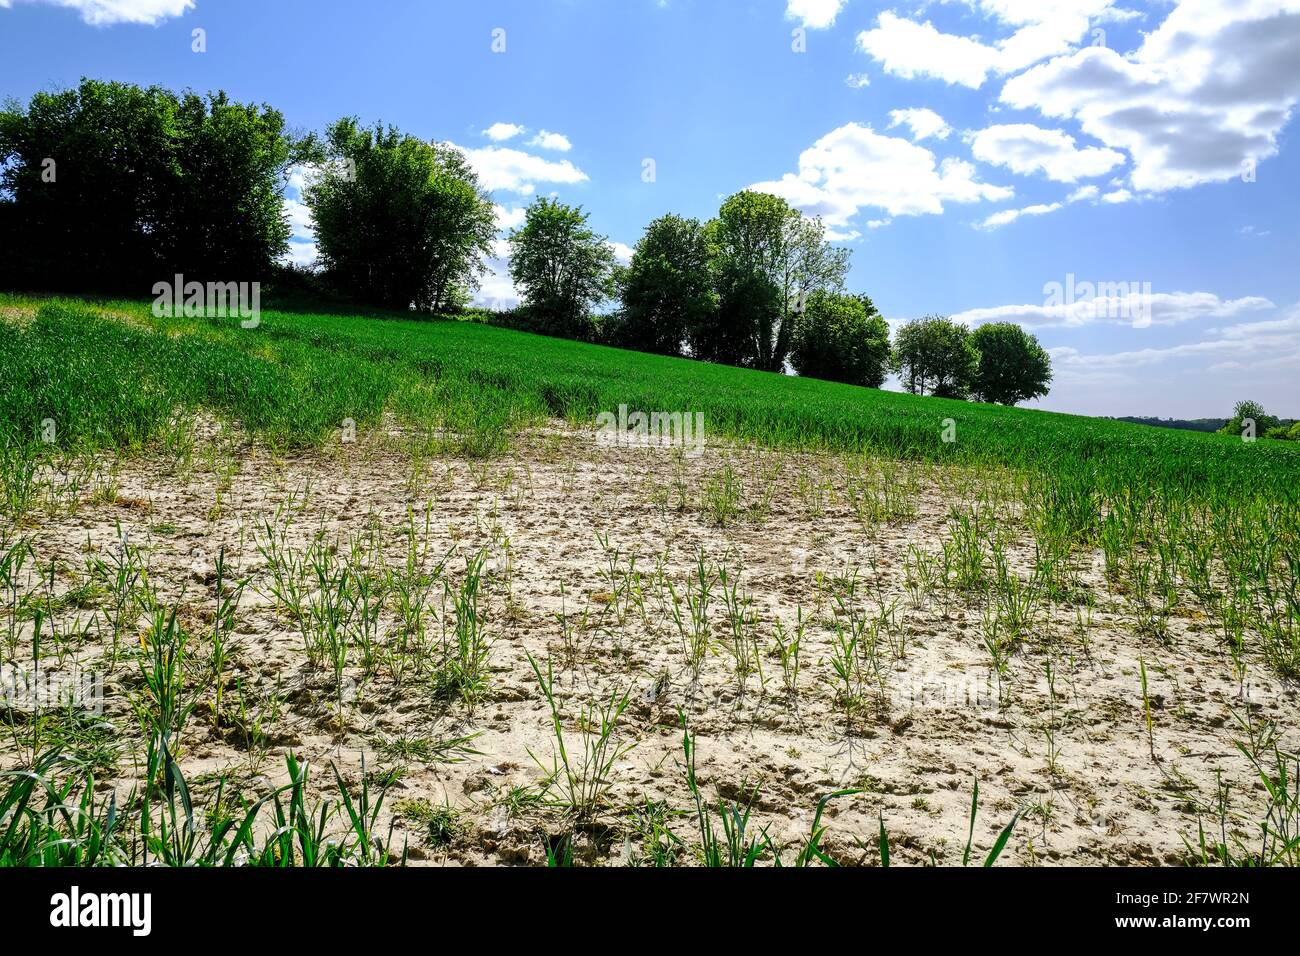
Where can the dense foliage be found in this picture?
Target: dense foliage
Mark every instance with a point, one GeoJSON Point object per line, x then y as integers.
{"type": "Point", "coordinates": [667, 289]}
{"type": "Point", "coordinates": [842, 338]}
{"type": "Point", "coordinates": [1012, 366]}
{"type": "Point", "coordinates": [768, 259]}
{"type": "Point", "coordinates": [560, 267]}
{"type": "Point", "coordinates": [400, 223]}
{"type": "Point", "coordinates": [935, 356]}
{"type": "Point", "coordinates": [112, 187]}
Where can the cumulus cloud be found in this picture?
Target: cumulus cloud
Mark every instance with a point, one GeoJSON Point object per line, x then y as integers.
{"type": "Point", "coordinates": [1025, 148]}
{"type": "Point", "coordinates": [1204, 96]}
{"type": "Point", "coordinates": [1118, 303]}
{"type": "Point", "coordinates": [923, 122]}
{"type": "Point", "coordinates": [302, 253]}
{"type": "Point", "coordinates": [496, 289]}
{"type": "Point", "coordinates": [553, 141]}
{"type": "Point", "coordinates": [513, 170]}
{"type": "Point", "coordinates": [814, 14]}
{"type": "Point", "coordinates": [507, 219]}
{"type": "Point", "coordinates": [909, 49]}
{"type": "Point", "coordinates": [302, 233]}
{"type": "Point", "coordinates": [300, 221]}
{"type": "Point", "coordinates": [854, 167]}
{"type": "Point", "coordinates": [1008, 216]}
{"type": "Point", "coordinates": [500, 132]}
{"type": "Point", "coordinates": [105, 12]}
{"type": "Point", "coordinates": [1041, 28]}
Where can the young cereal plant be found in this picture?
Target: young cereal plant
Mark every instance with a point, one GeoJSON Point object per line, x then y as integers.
{"type": "Point", "coordinates": [228, 597]}
{"type": "Point", "coordinates": [789, 645]}
{"type": "Point", "coordinates": [695, 633]}
{"type": "Point", "coordinates": [581, 780]}
{"type": "Point", "coordinates": [466, 657]}
{"type": "Point", "coordinates": [722, 496]}
{"type": "Point", "coordinates": [13, 558]}
{"type": "Point", "coordinates": [742, 631]}
{"type": "Point", "coordinates": [846, 667]}
{"type": "Point", "coordinates": [162, 705]}
{"type": "Point", "coordinates": [736, 846]}
{"type": "Point", "coordinates": [125, 579]}
{"type": "Point", "coordinates": [998, 643]}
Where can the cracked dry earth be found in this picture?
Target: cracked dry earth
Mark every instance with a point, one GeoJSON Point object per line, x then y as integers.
{"type": "Point", "coordinates": [581, 544]}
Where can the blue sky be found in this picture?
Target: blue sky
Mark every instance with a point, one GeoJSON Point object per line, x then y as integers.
{"type": "Point", "coordinates": [972, 153]}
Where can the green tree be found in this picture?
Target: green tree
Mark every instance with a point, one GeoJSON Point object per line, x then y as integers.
{"type": "Point", "coordinates": [229, 220]}
{"type": "Point", "coordinates": [400, 223]}
{"type": "Point", "coordinates": [768, 259]}
{"type": "Point", "coordinates": [666, 288]}
{"type": "Point", "coordinates": [1012, 368]}
{"type": "Point", "coordinates": [1249, 411]}
{"type": "Point", "coordinates": [841, 338]}
{"type": "Point", "coordinates": [561, 268]}
{"type": "Point", "coordinates": [113, 187]}
{"type": "Point", "coordinates": [934, 356]}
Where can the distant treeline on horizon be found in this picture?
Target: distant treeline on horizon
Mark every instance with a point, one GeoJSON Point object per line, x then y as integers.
{"type": "Point", "coordinates": [1186, 424]}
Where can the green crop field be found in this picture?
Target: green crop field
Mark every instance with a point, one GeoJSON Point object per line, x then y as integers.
{"type": "Point", "coordinates": [115, 376]}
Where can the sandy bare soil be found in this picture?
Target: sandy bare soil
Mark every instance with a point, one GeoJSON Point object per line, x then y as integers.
{"type": "Point", "coordinates": [581, 546]}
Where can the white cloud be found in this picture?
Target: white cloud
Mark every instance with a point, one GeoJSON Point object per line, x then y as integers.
{"type": "Point", "coordinates": [1025, 148]}
{"type": "Point", "coordinates": [511, 218]}
{"type": "Point", "coordinates": [854, 167]}
{"type": "Point", "coordinates": [496, 289]}
{"type": "Point", "coordinates": [301, 254]}
{"type": "Point", "coordinates": [300, 221]}
{"type": "Point", "coordinates": [500, 132]}
{"type": "Point", "coordinates": [1082, 193]}
{"type": "Point", "coordinates": [909, 49]}
{"type": "Point", "coordinates": [515, 171]}
{"type": "Point", "coordinates": [622, 252]}
{"type": "Point", "coordinates": [1043, 28]}
{"type": "Point", "coordinates": [1207, 91]}
{"type": "Point", "coordinates": [1007, 216]}
{"type": "Point", "coordinates": [923, 123]}
{"type": "Point", "coordinates": [105, 12]}
{"type": "Point", "coordinates": [553, 141]}
{"type": "Point", "coordinates": [857, 81]}
{"type": "Point", "coordinates": [1118, 305]}
{"type": "Point", "coordinates": [1258, 345]}
{"type": "Point", "coordinates": [814, 14]}
{"type": "Point", "coordinates": [1117, 196]}
{"type": "Point", "coordinates": [302, 234]}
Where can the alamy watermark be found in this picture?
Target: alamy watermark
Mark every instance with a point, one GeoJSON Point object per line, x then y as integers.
{"type": "Point", "coordinates": [75, 909]}
{"type": "Point", "coordinates": [1089, 301]}
{"type": "Point", "coordinates": [35, 689]}
{"type": "Point", "coordinates": [683, 430]}
{"type": "Point", "coordinates": [210, 300]}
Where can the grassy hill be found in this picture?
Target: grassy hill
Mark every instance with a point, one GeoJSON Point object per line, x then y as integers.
{"type": "Point", "coordinates": [113, 375]}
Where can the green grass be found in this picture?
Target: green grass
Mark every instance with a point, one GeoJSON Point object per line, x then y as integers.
{"type": "Point", "coordinates": [291, 382]}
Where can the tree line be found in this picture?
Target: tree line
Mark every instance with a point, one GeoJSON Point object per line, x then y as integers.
{"type": "Point", "coordinates": [109, 187]}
